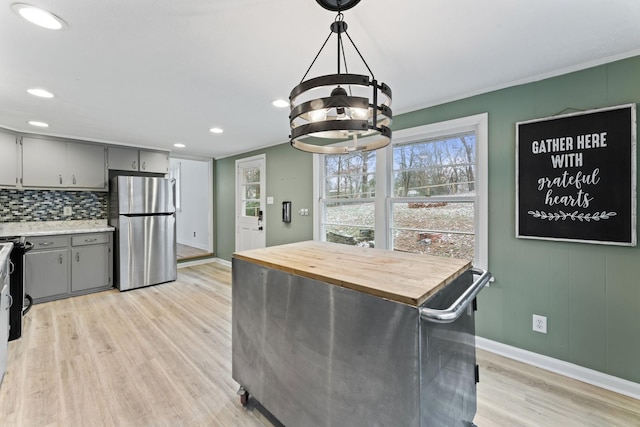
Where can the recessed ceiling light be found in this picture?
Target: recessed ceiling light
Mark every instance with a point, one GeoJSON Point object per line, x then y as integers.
{"type": "Point", "coordinates": [42, 93]}
{"type": "Point", "coordinates": [280, 103]}
{"type": "Point", "coordinates": [38, 16]}
{"type": "Point", "coordinates": [179, 145]}
{"type": "Point", "coordinates": [38, 124]}
{"type": "Point", "coordinates": [215, 130]}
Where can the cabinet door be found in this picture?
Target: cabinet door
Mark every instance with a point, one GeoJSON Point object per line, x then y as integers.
{"type": "Point", "coordinates": [125, 159]}
{"type": "Point", "coordinates": [90, 267]}
{"type": "Point", "coordinates": [43, 162]}
{"type": "Point", "coordinates": [8, 160]}
{"type": "Point", "coordinates": [85, 166]}
{"type": "Point", "coordinates": [154, 161]}
{"type": "Point", "coordinates": [46, 273]}
{"type": "Point", "coordinates": [4, 327]}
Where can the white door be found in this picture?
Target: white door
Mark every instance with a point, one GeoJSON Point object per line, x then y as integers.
{"type": "Point", "coordinates": [250, 203]}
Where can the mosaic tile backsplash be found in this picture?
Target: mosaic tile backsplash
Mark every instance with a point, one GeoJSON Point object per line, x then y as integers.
{"type": "Point", "coordinates": [48, 205]}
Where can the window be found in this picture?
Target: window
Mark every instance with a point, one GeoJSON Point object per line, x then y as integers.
{"type": "Point", "coordinates": [250, 191]}
{"type": "Point", "coordinates": [427, 192]}
{"type": "Point", "coordinates": [433, 201]}
{"type": "Point", "coordinates": [348, 196]}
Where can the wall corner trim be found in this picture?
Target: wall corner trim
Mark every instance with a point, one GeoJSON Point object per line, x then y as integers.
{"type": "Point", "coordinates": [586, 375]}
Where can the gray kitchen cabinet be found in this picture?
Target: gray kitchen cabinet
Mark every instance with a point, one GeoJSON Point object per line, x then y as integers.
{"type": "Point", "coordinates": [47, 273]}
{"type": "Point", "coordinates": [5, 304]}
{"type": "Point", "coordinates": [154, 161]}
{"type": "Point", "coordinates": [8, 160]}
{"type": "Point", "coordinates": [68, 265]}
{"type": "Point", "coordinates": [91, 262]}
{"type": "Point", "coordinates": [131, 159]}
{"type": "Point", "coordinates": [63, 164]}
{"type": "Point", "coordinates": [43, 162]}
{"type": "Point", "coordinates": [85, 166]}
{"type": "Point", "coordinates": [121, 158]}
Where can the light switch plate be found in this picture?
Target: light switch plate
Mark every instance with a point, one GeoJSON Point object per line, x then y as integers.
{"type": "Point", "coordinates": [269, 200]}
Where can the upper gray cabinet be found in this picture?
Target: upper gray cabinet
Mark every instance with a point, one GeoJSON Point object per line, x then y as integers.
{"type": "Point", "coordinates": [63, 164]}
{"type": "Point", "coordinates": [124, 159]}
{"type": "Point", "coordinates": [132, 159]}
{"type": "Point", "coordinates": [154, 161]}
{"type": "Point", "coordinates": [8, 160]}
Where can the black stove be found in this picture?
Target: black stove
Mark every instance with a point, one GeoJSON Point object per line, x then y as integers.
{"type": "Point", "coordinates": [21, 300]}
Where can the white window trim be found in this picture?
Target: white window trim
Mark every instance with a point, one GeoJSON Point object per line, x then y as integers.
{"type": "Point", "coordinates": [479, 124]}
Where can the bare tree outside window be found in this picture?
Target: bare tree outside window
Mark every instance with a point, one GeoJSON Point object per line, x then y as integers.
{"type": "Point", "coordinates": [432, 197]}
{"type": "Point", "coordinates": [349, 192]}
{"type": "Point", "coordinates": [439, 175]}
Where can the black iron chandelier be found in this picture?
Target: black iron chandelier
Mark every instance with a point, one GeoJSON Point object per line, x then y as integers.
{"type": "Point", "coordinates": [350, 108]}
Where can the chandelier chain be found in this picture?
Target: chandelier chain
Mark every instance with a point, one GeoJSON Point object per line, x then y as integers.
{"type": "Point", "coordinates": [317, 55]}
{"type": "Point", "coordinates": [361, 57]}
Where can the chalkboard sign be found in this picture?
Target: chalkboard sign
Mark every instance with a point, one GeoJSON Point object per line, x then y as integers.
{"type": "Point", "coordinates": [576, 177]}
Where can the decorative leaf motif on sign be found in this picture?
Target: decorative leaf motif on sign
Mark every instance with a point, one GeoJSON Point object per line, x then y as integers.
{"type": "Point", "coordinates": [582, 217]}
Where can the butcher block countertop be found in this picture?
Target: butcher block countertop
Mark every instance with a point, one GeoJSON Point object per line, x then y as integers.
{"type": "Point", "coordinates": [398, 276]}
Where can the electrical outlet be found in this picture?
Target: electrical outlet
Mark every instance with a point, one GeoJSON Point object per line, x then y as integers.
{"type": "Point", "coordinates": [66, 211]}
{"type": "Point", "coordinates": [540, 324]}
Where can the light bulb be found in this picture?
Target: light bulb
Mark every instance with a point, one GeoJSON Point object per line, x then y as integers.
{"type": "Point", "coordinates": [359, 113]}
{"type": "Point", "coordinates": [317, 115]}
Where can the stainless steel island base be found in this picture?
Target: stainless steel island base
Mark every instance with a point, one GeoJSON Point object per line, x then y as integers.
{"type": "Point", "coordinates": [316, 354]}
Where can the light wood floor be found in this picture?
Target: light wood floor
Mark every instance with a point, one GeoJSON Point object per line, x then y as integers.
{"type": "Point", "coordinates": [161, 356]}
{"type": "Point", "coordinates": [186, 252]}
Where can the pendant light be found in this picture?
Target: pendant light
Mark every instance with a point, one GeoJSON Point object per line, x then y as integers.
{"type": "Point", "coordinates": [340, 107]}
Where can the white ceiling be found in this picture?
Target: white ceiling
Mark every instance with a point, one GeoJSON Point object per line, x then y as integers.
{"type": "Point", "coordinates": [151, 73]}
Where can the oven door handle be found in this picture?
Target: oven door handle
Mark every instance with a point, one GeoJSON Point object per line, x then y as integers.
{"type": "Point", "coordinates": [454, 311]}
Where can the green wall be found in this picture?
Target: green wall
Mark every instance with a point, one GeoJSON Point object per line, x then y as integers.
{"type": "Point", "coordinates": [590, 294]}
{"type": "Point", "coordinates": [289, 178]}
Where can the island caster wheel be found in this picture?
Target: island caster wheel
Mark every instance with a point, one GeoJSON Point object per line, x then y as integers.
{"type": "Point", "coordinates": [244, 396]}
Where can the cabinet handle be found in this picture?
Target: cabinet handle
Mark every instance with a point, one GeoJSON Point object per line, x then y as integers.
{"type": "Point", "coordinates": [45, 243]}
{"type": "Point", "coordinates": [95, 239]}
{"type": "Point", "coordinates": [60, 178]}
{"type": "Point", "coordinates": [144, 165]}
{"type": "Point", "coordinates": [133, 165]}
{"type": "Point", "coordinates": [60, 258]}
{"type": "Point", "coordinates": [73, 178]}
{"type": "Point", "coordinates": [78, 256]}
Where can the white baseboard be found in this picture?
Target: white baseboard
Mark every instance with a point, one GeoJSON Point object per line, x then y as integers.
{"type": "Point", "coordinates": [204, 261]}
{"type": "Point", "coordinates": [589, 376]}
{"type": "Point", "coordinates": [223, 262]}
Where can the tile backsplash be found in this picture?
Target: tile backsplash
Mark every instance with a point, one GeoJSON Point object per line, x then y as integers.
{"type": "Point", "coordinates": [48, 205]}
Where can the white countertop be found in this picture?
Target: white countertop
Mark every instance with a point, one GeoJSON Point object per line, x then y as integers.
{"type": "Point", "coordinates": [49, 228]}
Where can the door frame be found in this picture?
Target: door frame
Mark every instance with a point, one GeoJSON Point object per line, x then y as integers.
{"type": "Point", "coordinates": [208, 194]}
{"type": "Point", "coordinates": [262, 158]}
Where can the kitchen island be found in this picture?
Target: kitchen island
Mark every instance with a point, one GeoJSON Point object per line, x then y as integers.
{"type": "Point", "coordinates": [329, 334]}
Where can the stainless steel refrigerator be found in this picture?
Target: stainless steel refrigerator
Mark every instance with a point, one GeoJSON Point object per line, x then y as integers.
{"type": "Point", "coordinates": [143, 212]}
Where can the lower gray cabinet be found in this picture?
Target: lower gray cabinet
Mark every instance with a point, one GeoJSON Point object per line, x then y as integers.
{"type": "Point", "coordinates": [63, 266]}
{"type": "Point", "coordinates": [47, 273]}
{"type": "Point", "coordinates": [90, 262]}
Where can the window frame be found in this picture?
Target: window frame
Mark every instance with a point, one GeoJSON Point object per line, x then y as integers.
{"type": "Point", "coordinates": [479, 124]}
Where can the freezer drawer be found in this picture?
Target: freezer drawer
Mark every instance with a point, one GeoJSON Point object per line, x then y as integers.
{"type": "Point", "coordinates": [147, 250]}
{"type": "Point", "coordinates": [143, 195]}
